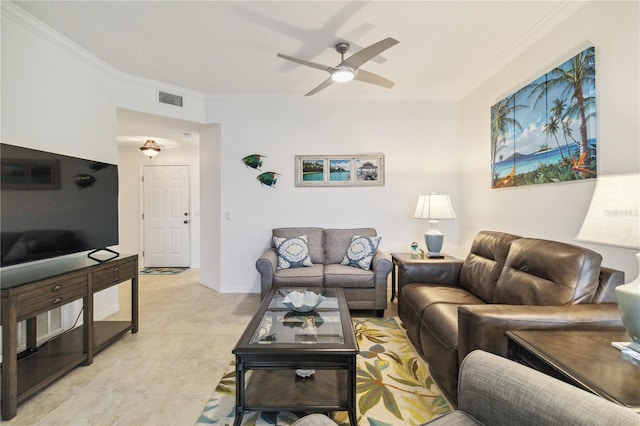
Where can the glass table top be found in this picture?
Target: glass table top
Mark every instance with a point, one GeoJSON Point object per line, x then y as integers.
{"type": "Point", "coordinates": [330, 300]}
{"type": "Point", "coordinates": [299, 327]}
{"type": "Point", "coordinates": [281, 325]}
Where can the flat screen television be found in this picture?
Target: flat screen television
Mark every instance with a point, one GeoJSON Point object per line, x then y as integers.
{"type": "Point", "coordinates": [54, 205]}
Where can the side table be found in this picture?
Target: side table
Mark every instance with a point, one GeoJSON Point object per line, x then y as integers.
{"type": "Point", "coordinates": [397, 258]}
{"type": "Point", "coordinates": [583, 358]}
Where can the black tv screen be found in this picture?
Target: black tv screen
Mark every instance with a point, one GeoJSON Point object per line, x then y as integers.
{"type": "Point", "coordinates": [53, 205]}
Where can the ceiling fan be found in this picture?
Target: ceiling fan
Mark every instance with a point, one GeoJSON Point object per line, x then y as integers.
{"type": "Point", "coordinates": [349, 69]}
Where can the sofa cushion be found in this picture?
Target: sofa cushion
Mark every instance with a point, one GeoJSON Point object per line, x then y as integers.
{"type": "Point", "coordinates": [484, 263]}
{"type": "Point", "coordinates": [315, 240]}
{"type": "Point", "coordinates": [347, 276]}
{"type": "Point", "coordinates": [337, 241]}
{"type": "Point", "coordinates": [361, 251]}
{"type": "Point", "coordinates": [547, 273]}
{"type": "Point", "coordinates": [416, 298]}
{"type": "Point", "coordinates": [311, 276]}
{"type": "Point", "coordinates": [292, 252]}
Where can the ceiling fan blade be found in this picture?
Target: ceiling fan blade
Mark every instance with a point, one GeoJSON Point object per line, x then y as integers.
{"type": "Point", "coordinates": [370, 52]}
{"type": "Point", "coordinates": [328, 82]}
{"type": "Point", "coordinates": [369, 77]}
{"type": "Point", "coordinates": [303, 62]}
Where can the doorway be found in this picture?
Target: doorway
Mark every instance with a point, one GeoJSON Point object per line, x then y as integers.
{"type": "Point", "coordinates": [166, 217]}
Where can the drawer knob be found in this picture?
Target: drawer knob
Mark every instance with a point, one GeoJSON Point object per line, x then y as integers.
{"type": "Point", "coordinates": [57, 287]}
{"type": "Point", "coordinates": [116, 269]}
{"type": "Point", "coordinates": [116, 279]}
{"type": "Point", "coordinates": [56, 300]}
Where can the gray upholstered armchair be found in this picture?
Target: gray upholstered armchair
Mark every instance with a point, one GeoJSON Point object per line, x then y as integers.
{"type": "Point", "coordinates": [496, 391]}
{"type": "Point", "coordinates": [364, 288]}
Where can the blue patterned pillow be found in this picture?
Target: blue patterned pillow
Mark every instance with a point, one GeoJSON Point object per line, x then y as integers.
{"type": "Point", "coordinates": [360, 252]}
{"type": "Point", "coordinates": [292, 252]}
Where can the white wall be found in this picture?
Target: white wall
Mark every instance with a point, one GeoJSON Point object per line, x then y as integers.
{"type": "Point", "coordinates": [56, 99]}
{"type": "Point", "coordinates": [556, 211]}
{"type": "Point", "coordinates": [418, 139]}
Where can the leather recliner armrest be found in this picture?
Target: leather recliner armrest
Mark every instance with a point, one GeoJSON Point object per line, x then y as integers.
{"type": "Point", "coordinates": [483, 326]}
{"type": "Point", "coordinates": [446, 272]}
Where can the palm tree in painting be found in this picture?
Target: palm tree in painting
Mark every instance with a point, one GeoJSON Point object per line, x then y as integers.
{"type": "Point", "coordinates": [579, 74]}
{"type": "Point", "coordinates": [551, 129]}
{"type": "Point", "coordinates": [503, 120]}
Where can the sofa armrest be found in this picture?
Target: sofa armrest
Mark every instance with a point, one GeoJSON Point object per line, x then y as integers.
{"type": "Point", "coordinates": [483, 326]}
{"type": "Point", "coordinates": [266, 265]}
{"type": "Point", "coordinates": [381, 263]}
{"type": "Point", "coordinates": [497, 391]}
{"type": "Point", "coordinates": [443, 272]}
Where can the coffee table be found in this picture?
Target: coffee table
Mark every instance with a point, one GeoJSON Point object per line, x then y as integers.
{"type": "Point", "coordinates": [279, 345]}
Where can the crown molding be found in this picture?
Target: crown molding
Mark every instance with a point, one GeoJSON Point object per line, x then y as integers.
{"type": "Point", "coordinates": [554, 18]}
{"type": "Point", "coordinates": [19, 16]}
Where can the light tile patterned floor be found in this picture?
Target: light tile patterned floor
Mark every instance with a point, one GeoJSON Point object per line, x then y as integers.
{"type": "Point", "coordinates": [164, 374]}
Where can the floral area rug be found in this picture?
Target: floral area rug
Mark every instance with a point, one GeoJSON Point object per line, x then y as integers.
{"type": "Point", "coordinates": [394, 386]}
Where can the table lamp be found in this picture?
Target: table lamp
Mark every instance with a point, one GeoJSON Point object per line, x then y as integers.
{"type": "Point", "coordinates": [613, 219]}
{"type": "Point", "coordinates": [434, 207]}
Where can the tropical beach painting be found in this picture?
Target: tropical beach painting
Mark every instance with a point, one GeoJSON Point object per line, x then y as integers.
{"type": "Point", "coordinates": [546, 131]}
{"type": "Point", "coordinates": [313, 170]}
{"type": "Point", "coordinates": [340, 170]}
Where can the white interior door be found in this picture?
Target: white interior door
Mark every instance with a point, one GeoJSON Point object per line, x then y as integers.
{"type": "Point", "coordinates": [166, 216]}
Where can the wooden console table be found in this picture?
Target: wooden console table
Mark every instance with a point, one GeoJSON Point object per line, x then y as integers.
{"type": "Point", "coordinates": [584, 359]}
{"type": "Point", "coordinates": [32, 290]}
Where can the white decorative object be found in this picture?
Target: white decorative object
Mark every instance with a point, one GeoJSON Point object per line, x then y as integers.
{"type": "Point", "coordinates": [302, 301]}
{"type": "Point", "coordinates": [434, 207]}
{"type": "Point", "coordinates": [614, 219]}
{"type": "Point", "coordinates": [305, 373]}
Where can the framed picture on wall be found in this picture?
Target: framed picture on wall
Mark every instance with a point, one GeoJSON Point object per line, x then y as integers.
{"type": "Point", "coordinates": [340, 170]}
{"type": "Point", "coordinates": [546, 132]}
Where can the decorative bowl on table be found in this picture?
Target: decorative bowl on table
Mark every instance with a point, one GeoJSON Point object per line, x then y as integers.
{"type": "Point", "coordinates": [302, 301]}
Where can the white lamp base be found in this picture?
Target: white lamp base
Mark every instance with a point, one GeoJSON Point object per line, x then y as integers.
{"type": "Point", "coordinates": [628, 296]}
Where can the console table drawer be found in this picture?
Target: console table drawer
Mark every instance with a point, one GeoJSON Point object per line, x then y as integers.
{"type": "Point", "coordinates": [49, 295]}
{"type": "Point", "coordinates": [114, 274]}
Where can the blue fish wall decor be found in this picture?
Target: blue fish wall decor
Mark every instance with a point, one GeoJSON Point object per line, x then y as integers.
{"type": "Point", "coordinates": [268, 178]}
{"type": "Point", "coordinates": [254, 161]}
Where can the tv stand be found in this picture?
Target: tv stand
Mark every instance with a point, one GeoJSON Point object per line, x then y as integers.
{"type": "Point", "coordinates": [28, 292]}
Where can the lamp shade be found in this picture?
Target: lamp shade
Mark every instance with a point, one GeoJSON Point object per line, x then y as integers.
{"type": "Point", "coordinates": [613, 217]}
{"type": "Point", "coordinates": [434, 207]}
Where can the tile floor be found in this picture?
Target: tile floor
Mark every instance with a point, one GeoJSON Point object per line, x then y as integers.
{"type": "Point", "coordinates": [164, 374]}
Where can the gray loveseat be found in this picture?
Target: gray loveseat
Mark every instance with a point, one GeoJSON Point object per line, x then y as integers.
{"type": "Point", "coordinates": [364, 289]}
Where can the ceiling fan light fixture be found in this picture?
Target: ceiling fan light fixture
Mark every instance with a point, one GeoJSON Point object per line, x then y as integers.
{"type": "Point", "coordinates": [150, 148]}
{"type": "Point", "coordinates": [342, 74]}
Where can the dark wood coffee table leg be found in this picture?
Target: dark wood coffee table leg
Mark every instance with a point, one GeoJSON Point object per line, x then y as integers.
{"type": "Point", "coordinates": [351, 399]}
{"type": "Point", "coordinates": [239, 391]}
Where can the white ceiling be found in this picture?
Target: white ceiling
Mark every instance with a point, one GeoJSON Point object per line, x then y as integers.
{"type": "Point", "coordinates": [229, 47]}
{"type": "Point", "coordinates": [445, 47]}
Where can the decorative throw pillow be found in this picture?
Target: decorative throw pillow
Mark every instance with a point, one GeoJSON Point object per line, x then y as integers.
{"type": "Point", "coordinates": [360, 252]}
{"type": "Point", "coordinates": [292, 252]}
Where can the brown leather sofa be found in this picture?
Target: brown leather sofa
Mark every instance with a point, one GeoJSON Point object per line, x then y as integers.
{"type": "Point", "coordinates": [507, 282]}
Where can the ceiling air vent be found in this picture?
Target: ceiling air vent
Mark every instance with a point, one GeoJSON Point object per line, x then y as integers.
{"type": "Point", "coordinates": [168, 98]}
